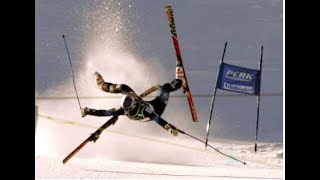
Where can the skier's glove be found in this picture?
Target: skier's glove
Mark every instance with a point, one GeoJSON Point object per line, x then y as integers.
{"type": "Point", "coordinates": [173, 130]}
{"type": "Point", "coordinates": [84, 112]}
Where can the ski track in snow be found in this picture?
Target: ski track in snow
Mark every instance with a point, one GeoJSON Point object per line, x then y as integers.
{"type": "Point", "coordinates": [265, 164]}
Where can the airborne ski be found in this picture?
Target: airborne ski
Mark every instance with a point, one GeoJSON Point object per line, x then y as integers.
{"type": "Point", "coordinates": [179, 63]}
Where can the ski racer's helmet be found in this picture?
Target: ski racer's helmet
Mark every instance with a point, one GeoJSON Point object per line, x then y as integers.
{"type": "Point", "coordinates": [128, 101]}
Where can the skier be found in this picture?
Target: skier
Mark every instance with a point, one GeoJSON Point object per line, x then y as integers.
{"type": "Point", "coordinates": [133, 106]}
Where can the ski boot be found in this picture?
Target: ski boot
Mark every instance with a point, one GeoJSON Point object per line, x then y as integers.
{"type": "Point", "coordinates": [95, 136]}
{"type": "Point", "coordinates": [99, 80]}
{"type": "Point", "coordinates": [180, 75]}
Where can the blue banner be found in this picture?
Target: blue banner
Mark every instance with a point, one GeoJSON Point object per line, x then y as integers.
{"type": "Point", "coordinates": [239, 79]}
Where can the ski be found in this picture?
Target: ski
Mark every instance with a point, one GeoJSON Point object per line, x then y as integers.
{"type": "Point", "coordinates": [149, 91]}
{"type": "Point", "coordinates": [179, 63]}
{"type": "Point", "coordinates": [93, 137]}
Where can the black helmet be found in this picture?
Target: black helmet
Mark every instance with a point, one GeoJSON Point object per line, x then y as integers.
{"type": "Point", "coordinates": [128, 101]}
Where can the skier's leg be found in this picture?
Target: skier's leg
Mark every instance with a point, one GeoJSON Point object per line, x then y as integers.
{"type": "Point", "coordinates": [110, 87]}
{"type": "Point", "coordinates": [175, 85]}
{"type": "Point", "coordinates": [160, 102]}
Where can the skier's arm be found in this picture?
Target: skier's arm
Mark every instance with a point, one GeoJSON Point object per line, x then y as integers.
{"type": "Point", "coordinates": [155, 117]}
{"type": "Point", "coordinates": [110, 87]}
{"type": "Point", "coordinates": [102, 112]}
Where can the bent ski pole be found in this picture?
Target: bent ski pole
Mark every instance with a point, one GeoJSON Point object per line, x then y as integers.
{"type": "Point", "coordinates": [74, 84]}
{"type": "Point", "coordinates": [212, 147]}
{"type": "Point", "coordinates": [93, 137]}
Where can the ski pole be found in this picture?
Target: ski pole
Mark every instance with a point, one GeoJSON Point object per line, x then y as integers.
{"type": "Point", "coordinates": [212, 147]}
{"type": "Point", "coordinates": [74, 84]}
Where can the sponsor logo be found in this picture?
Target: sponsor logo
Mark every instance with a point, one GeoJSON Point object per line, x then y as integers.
{"type": "Point", "coordinates": [239, 76]}
{"type": "Point", "coordinates": [245, 89]}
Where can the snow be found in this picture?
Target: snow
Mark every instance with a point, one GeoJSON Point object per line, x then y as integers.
{"type": "Point", "coordinates": [148, 157]}
{"type": "Point", "coordinates": [108, 169]}
{"type": "Point", "coordinates": [137, 155]}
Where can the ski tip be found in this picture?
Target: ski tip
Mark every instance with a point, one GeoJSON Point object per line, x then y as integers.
{"type": "Point", "coordinates": [65, 160]}
{"type": "Point", "coordinates": [194, 117]}
{"type": "Point", "coordinates": [63, 35]}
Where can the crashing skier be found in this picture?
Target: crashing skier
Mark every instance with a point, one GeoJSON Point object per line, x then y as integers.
{"type": "Point", "coordinates": [133, 106]}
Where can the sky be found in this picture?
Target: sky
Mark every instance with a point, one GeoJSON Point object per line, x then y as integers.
{"type": "Point", "coordinates": [129, 41]}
